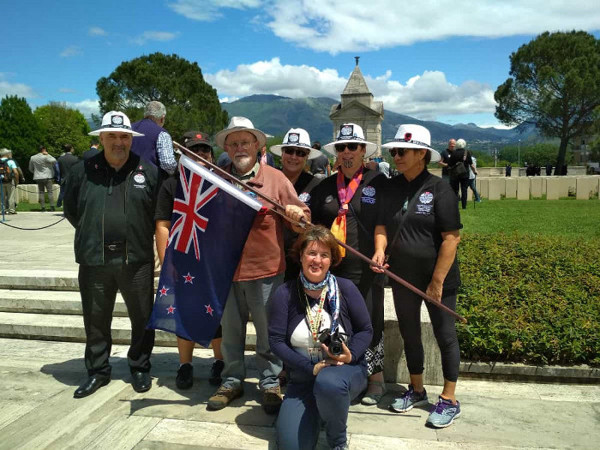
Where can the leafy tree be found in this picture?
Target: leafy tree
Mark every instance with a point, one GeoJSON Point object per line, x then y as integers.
{"type": "Point", "coordinates": [63, 125]}
{"type": "Point", "coordinates": [538, 154]}
{"type": "Point", "coordinates": [555, 83]}
{"type": "Point", "coordinates": [19, 130]}
{"type": "Point", "coordinates": [191, 102]}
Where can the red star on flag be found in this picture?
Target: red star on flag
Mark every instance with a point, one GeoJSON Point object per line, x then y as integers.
{"type": "Point", "coordinates": [209, 309]}
{"type": "Point", "coordinates": [188, 278]}
{"type": "Point", "coordinates": [171, 309]}
{"type": "Point", "coordinates": [163, 291]}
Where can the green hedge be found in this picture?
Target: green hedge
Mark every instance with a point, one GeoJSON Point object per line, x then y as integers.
{"type": "Point", "coordinates": [531, 299]}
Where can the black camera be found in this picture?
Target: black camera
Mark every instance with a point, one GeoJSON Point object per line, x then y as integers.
{"type": "Point", "coordinates": [333, 341]}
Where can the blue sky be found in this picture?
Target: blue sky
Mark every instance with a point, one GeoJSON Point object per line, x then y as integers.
{"type": "Point", "coordinates": [436, 60]}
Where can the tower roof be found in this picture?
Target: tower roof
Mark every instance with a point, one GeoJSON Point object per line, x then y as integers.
{"type": "Point", "coordinates": [356, 83]}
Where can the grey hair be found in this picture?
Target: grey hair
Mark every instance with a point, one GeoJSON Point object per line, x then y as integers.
{"type": "Point", "coordinates": [461, 143]}
{"type": "Point", "coordinates": [155, 109]}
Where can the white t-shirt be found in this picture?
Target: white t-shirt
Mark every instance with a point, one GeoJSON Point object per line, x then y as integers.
{"type": "Point", "coordinates": [301, 338]}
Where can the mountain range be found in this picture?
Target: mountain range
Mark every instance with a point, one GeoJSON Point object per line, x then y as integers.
{"type": "Point", "coordinates": [275, 115]}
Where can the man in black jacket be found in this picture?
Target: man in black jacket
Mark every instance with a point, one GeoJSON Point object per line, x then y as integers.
{"type": "Point", "coordinates": [110, 200]}
{"type": "Point", "coordinates": [65, 163]}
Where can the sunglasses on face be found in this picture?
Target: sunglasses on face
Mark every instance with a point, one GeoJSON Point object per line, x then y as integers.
{"type": "Point", "coordinates": [399, 151]}
{"type": "Point", "coordinates": [291, 150]}
{"type": "Point", "coordinates": [352, 146]}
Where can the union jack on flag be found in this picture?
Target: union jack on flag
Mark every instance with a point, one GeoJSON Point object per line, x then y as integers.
{"type": "Point", "coordinates": [190, 223]}
{"type": "Point", "coordinates": [214, 218]}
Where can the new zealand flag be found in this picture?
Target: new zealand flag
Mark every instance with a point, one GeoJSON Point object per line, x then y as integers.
{"type": "Point", "coordinates": [209, 227]}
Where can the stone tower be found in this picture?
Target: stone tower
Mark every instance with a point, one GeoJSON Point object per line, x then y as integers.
{"type": "Point", "coordinates": [358, 107]}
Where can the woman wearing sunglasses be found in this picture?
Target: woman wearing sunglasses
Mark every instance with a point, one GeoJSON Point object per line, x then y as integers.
{"type": "Point", "coordinates": [295, 151]}
{"type": "Point", "coordinates": [421, 235]}
{"type": "Point", "coordinates": [347, 202]}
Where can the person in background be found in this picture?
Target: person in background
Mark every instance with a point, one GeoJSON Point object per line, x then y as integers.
{"type": "Point", "coordinates": [42, 167]}
{"type": "Point", "coordinates": [93, 151]}
{"type": "Point", "coordinates": [65, 163]}
{"type": "Point", "coordinates": [473, 179]}
{"type": "Point", "coordinates": [10, 180]}
{"type": "Point", "coordinates": [199, 143]}
{"type": "Point", "coordinates": [508, 170]}
{"type": "Point", "coordinates": [420, 236]}
{"type": "Point", "coordinates": [295, 151]}
{"type": "Point", "coordinates": [319, 166]}
{"type": "Point", "coordinates": [461, 156]}
{"type": "Point", "coordinates": [445, 157]}
{"type": "Point", "coordinates": [156, 144]}
{"type": "Point", "coordinates": [323, 380]}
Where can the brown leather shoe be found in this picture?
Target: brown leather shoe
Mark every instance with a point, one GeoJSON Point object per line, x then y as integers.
{"type": "Point", "coordinates": [224, 396]}
{"type": "Point", "coordinates": [272, 398]}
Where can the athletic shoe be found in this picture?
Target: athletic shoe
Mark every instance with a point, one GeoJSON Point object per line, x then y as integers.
{"type": "Point", "coordinates": [443, 413]}
{"type": "Point", "coordinates": [224, 396]}
{"type": "Point", "coordinates": [409, 400]}
{"type": "Point", "coordinates": [215, 372]}
{"type": "Point", "coordinates": [185, 376]}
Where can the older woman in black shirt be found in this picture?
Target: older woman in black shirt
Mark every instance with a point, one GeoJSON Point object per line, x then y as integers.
{"type": "Point", "coordinates": [421, 234]}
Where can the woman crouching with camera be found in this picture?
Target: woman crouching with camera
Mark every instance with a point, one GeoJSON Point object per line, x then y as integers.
{"type": "Point", "coordinates": [320, 328]}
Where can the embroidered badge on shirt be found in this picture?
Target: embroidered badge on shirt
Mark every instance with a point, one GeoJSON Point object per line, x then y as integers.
{"type": "Point", "coordinates": [139, 178]}
{"type": "Point", "coordinates": [304, 197]}
{"type": "Point", "coordinates": [369, 191]}
{"type": "Point", "coordinates": [426, 197]}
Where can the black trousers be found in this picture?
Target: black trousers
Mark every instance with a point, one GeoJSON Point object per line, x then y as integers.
{"type": "Point", "coordinates": [98, 286]}
{"type": "Point", "coordinates": [464, 185]}
{"type": "Point", "coordinates": [408, 311]}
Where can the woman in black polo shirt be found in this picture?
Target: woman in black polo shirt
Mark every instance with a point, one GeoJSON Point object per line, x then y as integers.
{"type": "Point", "coordinates": [421, 234]}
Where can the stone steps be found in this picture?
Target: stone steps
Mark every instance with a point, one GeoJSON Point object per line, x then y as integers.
{"type": "Point", "coordinates": [45, 305]}
{"type": "Point", "coordinates": [48, 302]}
{"type": "Point", "coordinates": [69, 328]}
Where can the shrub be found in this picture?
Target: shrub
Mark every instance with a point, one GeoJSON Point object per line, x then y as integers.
{"type": "Point", "coordinates": [530, 298]}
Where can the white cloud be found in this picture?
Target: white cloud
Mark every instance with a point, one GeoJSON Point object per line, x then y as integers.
{"type": "Point", "coordinates": [354, 25]}
{"type": "Point", "coordinates": [18, 89]}
{"type": "Point", "coordinates": [208, 10]}
{"type": "Point", "coordinates": [425, 96]}
{"type": "Point", "coordinates": [228, 99]}
{"type": "Point", "coordinates": [86, 107]}
{"type": "Point", "coordinates": [96, 31]}
{"type": "Point", "coordinates": [161, 36]}
{"type": "Point", "coordinates": [271, 77]}
{"type": "Point", "coordinates": [71, 50]}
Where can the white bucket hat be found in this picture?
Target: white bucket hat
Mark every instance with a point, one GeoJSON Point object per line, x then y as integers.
{"type": "Point", "coordinates": [350, 132]}
{"type": "Point", "coordinates": [299, 138]}
{"type": "Point", "coordinates": [115, 121]}
{"type": "Point", "coordinates": [238, 123]}
{"type": "Point", "coordinates": [413, 136]}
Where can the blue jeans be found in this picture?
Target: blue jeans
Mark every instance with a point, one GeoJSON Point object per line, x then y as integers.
{"type": "Point", "coordinates": [249, 297]}
{"type": "Point", "coordinates": [325, 397]}
{"type": "Point", "coordinates": [474, 189]}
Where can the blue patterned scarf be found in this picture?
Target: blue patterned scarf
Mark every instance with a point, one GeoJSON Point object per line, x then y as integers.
{"type": "Point", "coordinates": [332, 295]}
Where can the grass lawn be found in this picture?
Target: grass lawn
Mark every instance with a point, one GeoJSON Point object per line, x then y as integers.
{"type": "Point", "coordinates": [35, 207]}
{"type": "Point", "coordinates": [568, 217]}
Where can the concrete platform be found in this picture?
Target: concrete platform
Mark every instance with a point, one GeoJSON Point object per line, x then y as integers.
{"type": "Point", "coordinates": [39, 411]}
